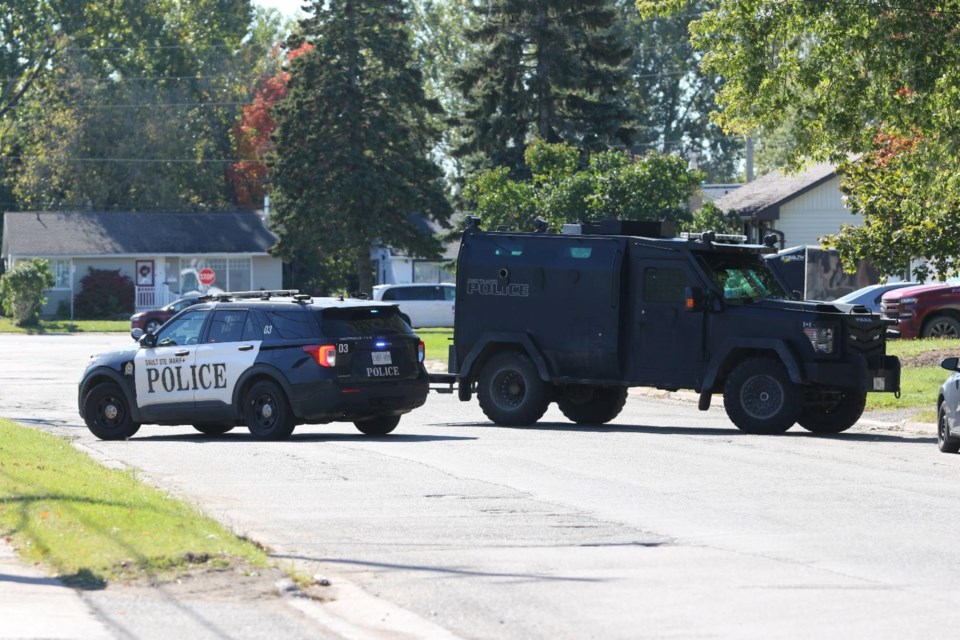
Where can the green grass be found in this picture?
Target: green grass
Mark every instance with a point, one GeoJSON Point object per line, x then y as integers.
{"type": "Point", "coordinates": [67, 326]}
{"type": "Point", "coordinates": [92, 524]}
{"type": "Point", "coordinates": [435, 342]}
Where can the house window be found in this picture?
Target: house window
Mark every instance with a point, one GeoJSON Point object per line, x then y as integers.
{"type": "Point", "coordinates": [230, 274]}
{"type": "Point", "coordinates": [61, 274]}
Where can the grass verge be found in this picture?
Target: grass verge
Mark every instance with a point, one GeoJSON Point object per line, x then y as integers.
{"type": "Point", "coordinates": [67, 326]}
{"type": "Point", "coordinates": [92, 525]}
{"type": "Point", "coordinates": [435, 342]}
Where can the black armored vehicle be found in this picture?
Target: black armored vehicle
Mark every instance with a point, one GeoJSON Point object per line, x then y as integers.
{"type": "Point", "coordinates": [579, 317]}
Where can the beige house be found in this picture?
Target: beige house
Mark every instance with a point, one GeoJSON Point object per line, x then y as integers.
{"type": "Point", "coordinates": [799, 208]}
{"type": "Point", "coordinates": [166, 255]}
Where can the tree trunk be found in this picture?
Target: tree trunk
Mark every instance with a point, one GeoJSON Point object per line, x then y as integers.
{"type": "Point", "coordinates": [364, 271]}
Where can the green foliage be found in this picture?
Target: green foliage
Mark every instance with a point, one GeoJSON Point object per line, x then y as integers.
{"type": "Point", "coordinates": [614, 185]}
{"type": "Point", "coordinates": [673, 97]}
{"type": "Point", "coordinates": [23, 290]}
{"type": "Point", "coordinates": [876, 80]}
{"type": "Point", "coordinates": [353, 140]}
{"type": "Point", "coordinates": [104, 293]}
{"type": "Point", "coordinates": [553, 70]}
{"type": "Point", "coordinates": [132, 107]}
{"type": "Point", "coordinates": [710, 217]}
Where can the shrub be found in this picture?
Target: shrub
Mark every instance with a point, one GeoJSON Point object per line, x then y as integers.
{"type": "Point", "coordinates": [23, 291]}
{"type": "Point", "coordinates": [104, 293]}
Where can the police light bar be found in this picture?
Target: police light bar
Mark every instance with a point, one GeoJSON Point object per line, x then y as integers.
{"type": "Point", "coordinates": [710, 236]}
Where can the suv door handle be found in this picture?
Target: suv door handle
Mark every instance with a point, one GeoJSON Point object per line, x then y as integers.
{"type": "Point", "coordinates": [182, 354]}
{"type": "Point", "coordinates": [245, 347]}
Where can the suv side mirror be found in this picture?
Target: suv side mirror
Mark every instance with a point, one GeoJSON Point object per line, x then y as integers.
{"type": "Point", "coordinates": [950, 364]}
{"type": "Point", "coordinates": [148, 340]}
{"type": "Point", "coordinates": [692, 299]}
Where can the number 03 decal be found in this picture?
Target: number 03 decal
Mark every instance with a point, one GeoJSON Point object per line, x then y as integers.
{"type": "Point", "coordinates": [343, 347]}
{"type": "Point", "coordinates": [268, 329]}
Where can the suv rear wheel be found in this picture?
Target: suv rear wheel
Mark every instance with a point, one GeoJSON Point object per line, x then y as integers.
{"type": "Point", "coordinates": [760, 398]}
{"type": "Point", "coordinates": [510, 391]}
{"type": "Point", "coordinates": [266, 412]}
{"type": "Point", "coordinates": [590, 404]}
{"type": "Point", "coordinates": [379, 426]}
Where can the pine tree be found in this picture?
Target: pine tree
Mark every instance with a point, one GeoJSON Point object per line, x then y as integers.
{"type": "Point", "coordinates": [548, 69]}
{"type": "Point", "coordinates": [351, 166]}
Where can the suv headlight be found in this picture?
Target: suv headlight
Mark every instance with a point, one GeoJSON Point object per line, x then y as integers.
{"type": "Point", "coordinates": [906, 300]}
{"type": "Point", "coordinates": [820, 337]}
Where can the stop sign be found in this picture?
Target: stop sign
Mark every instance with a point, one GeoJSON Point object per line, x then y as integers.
{"type": "Point", "coordinates": [207, 276]}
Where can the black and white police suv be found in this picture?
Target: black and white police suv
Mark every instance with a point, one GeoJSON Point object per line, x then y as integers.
{"type": "Point", "coordinates": [267, 359]}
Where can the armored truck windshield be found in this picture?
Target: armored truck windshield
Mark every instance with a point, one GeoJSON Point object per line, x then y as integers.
{"type": "Point", "coordinates": [741, 279]}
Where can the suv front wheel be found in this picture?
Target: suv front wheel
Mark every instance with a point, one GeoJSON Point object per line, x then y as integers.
{"type": "Point", "coordinates": [266, 412]}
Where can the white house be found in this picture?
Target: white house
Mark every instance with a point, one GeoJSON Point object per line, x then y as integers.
{"type": "Point", "coordinates": [164, 254]}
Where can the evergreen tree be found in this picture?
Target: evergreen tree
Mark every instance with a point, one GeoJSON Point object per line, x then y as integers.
{"type": "Point", "coordinates": [351, 165]}
{"type": "Point", "coordinates": [550, 69]}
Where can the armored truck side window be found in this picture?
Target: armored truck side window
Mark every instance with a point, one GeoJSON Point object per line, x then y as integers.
{"type": "Point", "coordinates": [664, 285]}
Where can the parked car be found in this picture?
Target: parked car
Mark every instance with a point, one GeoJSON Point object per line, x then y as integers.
{"type": "Point", "coordinates": [948, 408]}
{"type": "Point", "coordinates": [870, 295]}
{"type": "Point", "coordinates": [426, 305]}
{"type": "Point", "coordinates": [269, 360]}
{"type": "Point", "coordinates": [152, 319]}
{"type": "Point", "coordinates": [924, 311]}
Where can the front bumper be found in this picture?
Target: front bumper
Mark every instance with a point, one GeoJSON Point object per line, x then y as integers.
{"type": "Point", "coordinates": [856, 375]}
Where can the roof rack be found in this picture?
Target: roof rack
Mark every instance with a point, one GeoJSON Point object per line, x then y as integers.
{"type": "Point", "coordinates": [266, 294]}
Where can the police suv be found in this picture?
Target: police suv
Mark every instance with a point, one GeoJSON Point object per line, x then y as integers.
{"type": "Point", "coordinates": [266, 359]}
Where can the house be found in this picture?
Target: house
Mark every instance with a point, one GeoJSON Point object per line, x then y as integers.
{"type": "Point", "coordinates": [164, 254]}
{"type": "Point", "coordinates": [393, 266]}
{"type": "Point", "coordinates": [799, 208]}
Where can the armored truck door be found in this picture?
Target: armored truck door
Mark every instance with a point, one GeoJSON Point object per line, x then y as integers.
{"type": "Point", "coordinates": [667, 340]}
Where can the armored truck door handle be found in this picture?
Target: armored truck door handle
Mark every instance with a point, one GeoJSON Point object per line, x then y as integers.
{"type": "Point", "coordinates": [182, 354]}
{"type": "Point", "coordinates": [245, 347]}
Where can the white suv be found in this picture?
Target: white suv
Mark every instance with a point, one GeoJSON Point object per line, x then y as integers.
{"type": "Point", "coordinates": [426, 305]}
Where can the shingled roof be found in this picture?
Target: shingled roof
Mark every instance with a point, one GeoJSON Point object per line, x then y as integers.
{"type": "Point", "coordinates": [127, 233]}
{"type": "Point", "coordinates": [762, 198]}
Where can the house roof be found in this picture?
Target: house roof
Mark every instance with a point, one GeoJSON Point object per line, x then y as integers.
{"type": "Point", "coordinates": [762, 198]}
{"type": "Point", "coordinates": [133, 233]}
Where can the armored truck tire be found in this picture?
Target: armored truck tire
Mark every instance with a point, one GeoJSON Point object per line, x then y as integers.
{"type": "Point", "coordinates": [941, 327]}
{"type": "Point", "coordinates": [107, 414]}
{"type": "Point", "coordinates": [510, 390]}
{"type": "Point", "coordinates": [760, 398]}
{"type": "Point", "coordinates": [591, 404]}
{"type": "Point", "coordinates": [379, 426]}
{"type": "Point", "coordinates": [945, 442]}
{"type": "Point", "coordinates": [831, 410]}
{"type": "Point", "coordinates": [266, 412]}
{"type": "Point", "coordinates": [213, 429]}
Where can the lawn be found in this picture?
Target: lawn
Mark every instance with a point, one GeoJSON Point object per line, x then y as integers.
{"type": "Point", "coordinates": [67, 326]}
{"type": "Point", "coordinates": [436, 342]}
{"type": "Point", "coordinates": [92, 524]}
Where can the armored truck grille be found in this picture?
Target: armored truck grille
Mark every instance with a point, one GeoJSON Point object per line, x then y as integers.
{"type": "Point", "coordinates": [866, 335]}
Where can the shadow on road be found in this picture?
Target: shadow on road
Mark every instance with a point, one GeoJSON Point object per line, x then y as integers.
{"type": "Point", "coordinates": [795, 432]}
{"type": "Point", "coordinates": [241, 436]}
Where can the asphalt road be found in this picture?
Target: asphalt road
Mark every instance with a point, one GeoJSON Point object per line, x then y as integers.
{"type": "Point", "coordinates": [665, 523]}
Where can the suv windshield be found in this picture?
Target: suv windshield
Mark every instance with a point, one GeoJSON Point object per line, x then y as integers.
{"type": "Point", "coordinates": [359, 322]}
{"type": "Point", "coordinates": [742, 280]}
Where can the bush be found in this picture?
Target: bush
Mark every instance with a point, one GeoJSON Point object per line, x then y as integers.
{"type": "Point", "coordinates": [104, 293]}
{"type": "Point", "coordinates": [23, 291]}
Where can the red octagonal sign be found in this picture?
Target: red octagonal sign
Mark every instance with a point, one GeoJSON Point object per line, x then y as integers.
{"type": "Point", "coordinates": [207, 276]}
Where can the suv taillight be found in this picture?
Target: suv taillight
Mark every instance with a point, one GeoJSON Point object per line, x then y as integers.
{"type": "Point", "coordinates": [324, 354]}
{"type": "Point", "coordinates": [421, 352]}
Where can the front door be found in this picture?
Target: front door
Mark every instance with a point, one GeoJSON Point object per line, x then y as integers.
{"type": "Point", "coordinates": [221, 360]}
{"type": "Point", "coordinates": [164, 374]}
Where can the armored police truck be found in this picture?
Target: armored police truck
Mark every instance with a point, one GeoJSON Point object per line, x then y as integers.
{"type": "Point", "coordinates": [578, 317]}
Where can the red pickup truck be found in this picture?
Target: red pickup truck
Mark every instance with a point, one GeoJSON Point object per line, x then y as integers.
{"type": "Point", "coordinates": [924, 311]}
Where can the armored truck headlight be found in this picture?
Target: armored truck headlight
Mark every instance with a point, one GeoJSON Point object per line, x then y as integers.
{"type": "Point", "coordinates": [820, 336]}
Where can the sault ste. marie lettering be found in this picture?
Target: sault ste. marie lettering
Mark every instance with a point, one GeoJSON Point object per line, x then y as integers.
{"type": "Point", "coordinates": [174, 377]}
